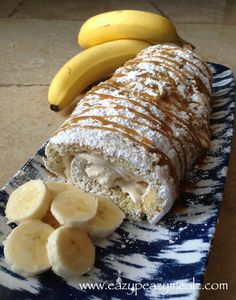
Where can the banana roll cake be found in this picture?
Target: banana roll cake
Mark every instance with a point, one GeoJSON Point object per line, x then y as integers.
{"type": "Point", "coordinates": [134, 136]}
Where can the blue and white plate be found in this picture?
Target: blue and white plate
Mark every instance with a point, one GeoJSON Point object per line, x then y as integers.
{"type": "Point", "coordinates": [142, 261]}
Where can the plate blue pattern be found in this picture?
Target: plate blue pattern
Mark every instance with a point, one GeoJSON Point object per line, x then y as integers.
{"type": "Point", "coordinates": [173, 253]}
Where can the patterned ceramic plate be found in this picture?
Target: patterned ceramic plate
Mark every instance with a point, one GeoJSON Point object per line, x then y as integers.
{"type": "Point", "coordinates": [140, 261]}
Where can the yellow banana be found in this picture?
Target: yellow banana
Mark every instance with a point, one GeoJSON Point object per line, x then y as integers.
{"type": "Point", "coordinates": [127, 24]}
{"type": "Point", "coordinates": [89, 66]}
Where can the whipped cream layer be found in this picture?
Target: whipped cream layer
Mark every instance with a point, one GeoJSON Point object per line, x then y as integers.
{"type": "Point", "coordinates": [109, 175]}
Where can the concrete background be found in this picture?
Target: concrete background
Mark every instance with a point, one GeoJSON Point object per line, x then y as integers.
{"type": "Point", "coordinates": [37, 37]}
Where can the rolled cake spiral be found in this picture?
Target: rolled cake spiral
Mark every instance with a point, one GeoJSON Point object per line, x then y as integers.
{"type": "Point", "coordinates": [134, 136]}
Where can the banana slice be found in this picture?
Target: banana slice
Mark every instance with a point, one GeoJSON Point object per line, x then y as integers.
{"type": "Point", "coordinates": [107, 219]}
{"type": "Point", "coordinates": [50, 220]}
{"type": "Point", "coordinates": [70, 251]}
{"type": "Point", "coordinates": [25, 248]}
{"type": "Point", "coordinates": [29, 201]}
{"type": "Point", "coordinates": [74, 207]}
{"type": "Point", "coordinates": [56, 188]}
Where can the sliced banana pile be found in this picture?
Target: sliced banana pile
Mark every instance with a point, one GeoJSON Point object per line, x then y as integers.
{"type": "Point", "coordinates": [55, 221]}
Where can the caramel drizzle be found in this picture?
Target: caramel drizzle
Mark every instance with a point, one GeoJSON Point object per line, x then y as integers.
{"type": "Point", "coordinates": [179, 74]}
{"type": "Point", "coordinates": [168, 116]}
{"type": "Point", "coordinates": [192, 117]}
{"type": "Point", "coordinates": [179, 64]}
{"type": "Point", "coordinates": [176, 95]}
{"type": "Point", "coordinates": [167, 67]}
{"type": "Point", "coordinates": [179, 95]}
{"type": "Point", "coordinates": [164, 159]}
{"type": "Point", "coordinates": [155, 121]}
{"type": "Point", "coordinates": [175, 71]}
{"type": "Point", "coordinates": [193, 65]}
{"type": "Point", "coordinates": [149, 99]}
{"type": "Point", "coordinates": [171, 81]}
{"type": "Point", "coordinates": [76, 118]}
{"type": "Point", "coordinates": [162, 124]}
{"type": "Point", "coordinates": [101, 119]}
{"type": "Point", "coordinates": [169, 52]}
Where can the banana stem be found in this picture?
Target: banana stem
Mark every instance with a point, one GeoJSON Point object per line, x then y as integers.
{"type": "Point", "coordinates": [184, 43]}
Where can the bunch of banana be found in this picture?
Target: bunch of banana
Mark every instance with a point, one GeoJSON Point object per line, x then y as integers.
{"type": "Point", "coordinates": [55, 223]}
{"type": "Point", "coordinates": [110, 40]}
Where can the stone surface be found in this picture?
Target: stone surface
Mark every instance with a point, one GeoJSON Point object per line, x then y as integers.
{"type": "Point", "coordinates": [201, 11]}
{"type": "Point", "coordinates": [214, 42]}
{"type": "Point", "coordinates": [9, 8]}
{"type": "Point", "coordinates": [76, 10]}
{"type": "Point", "coordinates": [37, 37]}
{"type": "Point", "coordinates": [32, 51]}
{"type": "Point", "coordinates": [26, 123]}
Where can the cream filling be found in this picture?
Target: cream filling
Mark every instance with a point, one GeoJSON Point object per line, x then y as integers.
{"type": "Point", "coordinates": [109, 175]}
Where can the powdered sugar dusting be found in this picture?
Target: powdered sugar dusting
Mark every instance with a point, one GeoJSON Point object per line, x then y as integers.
{"type": "Point", "coordinates": [154, 108]}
